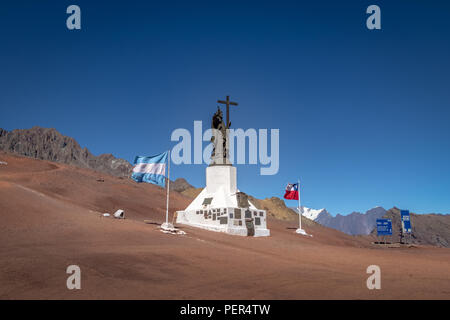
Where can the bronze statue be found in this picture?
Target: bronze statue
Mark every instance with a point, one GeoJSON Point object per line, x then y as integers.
{"type": "Point", "coordinates": [219, 155]}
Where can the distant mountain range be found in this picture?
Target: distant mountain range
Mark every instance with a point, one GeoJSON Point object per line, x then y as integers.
{"type": "Point", "coordinates": [429, 229]}
{"type": "Point", "coordinates": [355, 223]}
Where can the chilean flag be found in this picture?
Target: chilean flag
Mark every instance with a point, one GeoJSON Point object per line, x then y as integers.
{"type": "Point", "coordinates": [291, 191]}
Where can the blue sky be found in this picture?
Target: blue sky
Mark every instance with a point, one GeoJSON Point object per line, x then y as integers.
{"type": "Point", "coordinates": [363, 115]}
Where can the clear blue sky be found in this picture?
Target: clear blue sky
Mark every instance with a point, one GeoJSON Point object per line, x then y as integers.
{"type": "Point", "coordinates": [363, 115]}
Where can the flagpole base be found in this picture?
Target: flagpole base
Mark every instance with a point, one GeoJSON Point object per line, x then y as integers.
{"type": "Point", "coordinates": [301, 231]}
{"type": "Point", "coordinates": [170, 229]}
{"type": "Point", "coordinates": [167, 226]}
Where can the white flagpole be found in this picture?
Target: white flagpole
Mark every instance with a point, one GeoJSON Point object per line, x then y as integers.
{"type": "Point", "coordinates": [168, 189]}
{"type": "Point", "coordinates": [299, 212]}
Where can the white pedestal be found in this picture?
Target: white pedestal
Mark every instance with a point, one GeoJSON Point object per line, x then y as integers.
{"type": "Point", "coordinates": [221, 177]}
{"type": "Point", "coordinates": [216, 207]}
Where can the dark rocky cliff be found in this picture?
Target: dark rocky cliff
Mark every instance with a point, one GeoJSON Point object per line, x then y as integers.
{"type": "Point", "coordinates": [49, 144]}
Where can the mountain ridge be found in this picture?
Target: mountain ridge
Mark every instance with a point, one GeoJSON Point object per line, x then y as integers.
{"type": "Point", "coordinates": [427, 229]}
{"type": "Point", "coordinates": [50, 144]}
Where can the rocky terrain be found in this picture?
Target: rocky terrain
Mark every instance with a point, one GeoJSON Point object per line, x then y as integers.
{"type": "Point", "coordinates": [49, 144]}
{"type": "Point", "coordinates": [427, 229]}
{"type": "Point", "coordinates": [180, 185]}
{"type": "Point", "coordinates": [51, 217]}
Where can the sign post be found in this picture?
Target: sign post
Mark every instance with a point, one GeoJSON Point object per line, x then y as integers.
{"type": "Point", "coordinates": [406, 223]}
{"type": "Point", "coordinates": [384, 228]}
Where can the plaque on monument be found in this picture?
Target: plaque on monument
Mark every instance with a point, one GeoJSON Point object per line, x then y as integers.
{"type": "Point", "coordinates": [207, 201]}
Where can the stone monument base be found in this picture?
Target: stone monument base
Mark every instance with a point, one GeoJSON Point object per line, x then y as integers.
{"type": "Point", "coordinates": [221, 207]}
{"type": "Point", "coordinates": [223, 220]}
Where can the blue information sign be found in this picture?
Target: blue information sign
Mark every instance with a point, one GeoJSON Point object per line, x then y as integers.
{"type": "Point", "coordinates": [406, 221]}
{"type": "Point", "coordinates": [384, 227]}
{"type": "Point", "coordinates": [404, 214]}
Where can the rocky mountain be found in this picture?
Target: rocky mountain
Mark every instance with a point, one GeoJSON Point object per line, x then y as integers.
{"type": "Point", "coordinates": [180, 185]}
{"type": "Point", "coordinates": [355, 223]}
{"type": "Point", "coordinates": [427, 229]}
{"type": "Point", "coordinates": [49, 144]}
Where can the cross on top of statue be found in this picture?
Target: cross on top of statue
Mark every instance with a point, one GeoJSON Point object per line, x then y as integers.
{"type": "Point", "coordinates": [228, 103]}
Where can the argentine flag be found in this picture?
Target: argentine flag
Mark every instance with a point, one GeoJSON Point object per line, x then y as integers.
{"type": "Point", "coordinates": [150, 169]}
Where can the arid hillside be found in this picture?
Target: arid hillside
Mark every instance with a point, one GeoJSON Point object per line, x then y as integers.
{"type": "Point", "coordinates": [49, 144]}
{"type": "Point", "coordinates": [427, 229]}
{"type": "Point", "coordinates": [51, 217]}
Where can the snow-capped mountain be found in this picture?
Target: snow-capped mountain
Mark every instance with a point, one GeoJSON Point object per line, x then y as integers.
{"type": "Point", "coordinates": [313, 214]}
{"type": "Point", "coordinates": [355, 223]}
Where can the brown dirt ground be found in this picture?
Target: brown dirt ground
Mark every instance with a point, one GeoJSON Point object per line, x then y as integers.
{"type": "Point", "coordinates": [51, 218]}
